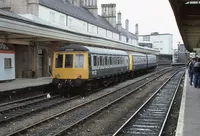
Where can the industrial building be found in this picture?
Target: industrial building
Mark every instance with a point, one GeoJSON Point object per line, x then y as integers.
{"type": "Point", "coordinates": [161, 42]}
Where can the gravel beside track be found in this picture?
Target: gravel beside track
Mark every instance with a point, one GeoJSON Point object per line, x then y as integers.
{"type": "Point", "coordinates": [23, 100]}
{"type": "Point", "coordinates": [108, 121]}
{"type": "Point", "coordinates": [68, 118]}
{"type": "Point", "coordinates": [26, 121]}
{"type": "Point", "coordinates": [13, 111]}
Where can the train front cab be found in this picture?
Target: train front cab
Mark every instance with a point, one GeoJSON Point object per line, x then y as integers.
{"type": "Point", "coordinates": [70, 68]}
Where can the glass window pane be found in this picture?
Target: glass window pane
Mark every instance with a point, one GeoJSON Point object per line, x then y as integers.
{"type": "Point", "coordinates": [79, 61]}
{"type": "Point", "coordinates": [101, 61]}
{"type": "Point", "coordinates": [59, 61]}
{"type": "Point", "coordinates": [95, 60]}
{"type": "Point", "coordinates": [68, 60]}
{"type": "Point", "coordinates": [7, 62]}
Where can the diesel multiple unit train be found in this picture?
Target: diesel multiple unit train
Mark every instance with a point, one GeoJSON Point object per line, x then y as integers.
{"type": "Point", "coordinates": [90, 67]}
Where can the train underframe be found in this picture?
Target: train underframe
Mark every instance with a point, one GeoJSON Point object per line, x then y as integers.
{"type": "Point", "coordinates": [79, 86]}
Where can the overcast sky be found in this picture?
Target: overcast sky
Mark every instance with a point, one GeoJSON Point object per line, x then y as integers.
{"type": "Point", "coordinates": [151, 15]}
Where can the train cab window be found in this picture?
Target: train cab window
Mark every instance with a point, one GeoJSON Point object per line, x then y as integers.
{"type": "Point", "coordinates": [59, 61]}
{"type": "Point", "coordinates": [95, 60]}
{"type": "Point", "coordinates": [68, 60]}
{"type": "Point", "coordinates": [79, 61]}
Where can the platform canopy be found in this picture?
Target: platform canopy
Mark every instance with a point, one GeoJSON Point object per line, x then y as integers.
{"type": "Point", "coordinates": [187, 14]}
{"type": "Point", "coordinates": [16, 29]}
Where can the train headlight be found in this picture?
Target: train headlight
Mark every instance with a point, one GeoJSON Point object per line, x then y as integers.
{"type": "Point", "coordinates": [57, 75]}
{"type": "Point", "coordinates": [79, 76]}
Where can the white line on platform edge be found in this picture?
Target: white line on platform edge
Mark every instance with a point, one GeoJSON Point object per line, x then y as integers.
{"type": "Point", "coordinates": [180, 126]}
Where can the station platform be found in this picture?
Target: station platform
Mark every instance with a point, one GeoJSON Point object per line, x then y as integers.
{"type": "Point", "coordinates": [189, 115]}
{"type": "Point", "coordinates": [24, 83]}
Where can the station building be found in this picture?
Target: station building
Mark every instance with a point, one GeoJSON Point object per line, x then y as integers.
{"type": "Point", "coordinates": [161, 42]}
{"type": "Point", "coordinates": [35, 58]}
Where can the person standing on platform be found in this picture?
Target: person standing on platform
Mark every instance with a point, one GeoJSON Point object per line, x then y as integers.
{"type": "Point", "coordinates": [196, 71]}
{"type": "Point", "coordinates": [190, 69]}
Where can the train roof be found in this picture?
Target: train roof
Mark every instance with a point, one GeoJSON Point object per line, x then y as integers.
{"type": "Point", "coordinates": [96, 50]}
{"type": "Point", "coordinates": [137, 54]}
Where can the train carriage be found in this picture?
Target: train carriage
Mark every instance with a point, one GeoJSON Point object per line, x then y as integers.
{"type": "Point", "coordinates": [138, 62]}
{"type": "Point", "coordinates": [76, 64]}
{"type": "Point", "coordinates": [152, 62]}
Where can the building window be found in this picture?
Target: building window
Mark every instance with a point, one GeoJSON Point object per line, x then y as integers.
{"type": "Point", "coordinates": [7, 62]}
{"type": "Point", "coordinates": [62, 19]}
{"type": "Point", "coordinates": [127, 39]}
{"type": "Point", "coordinates": [146, 38]}
{"type": "Point", "coordinates": [52, 16]}
{"type": "Point", "coordinates": [67, 21]}
{"type": "Point", "coordinates": [120, 37]}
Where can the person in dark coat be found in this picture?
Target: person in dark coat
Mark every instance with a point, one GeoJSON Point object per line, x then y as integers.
{"type": "Point", "coordinates": [190, 69]}
{"type": "Point", "coordinates": [196, 71]}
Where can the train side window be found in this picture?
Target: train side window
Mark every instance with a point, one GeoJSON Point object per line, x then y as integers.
{"type": "Point", "coordinates": [68, 60]}
{"type": "Point", "coordinates": [59, 61]}
{"type": "Point", "coordinates": [106, 61]}
{"type": "Point", "coordinates": [101, 61]}
{"type": "Point", "coordinates": [95, 60]}
{"type": "Point", "coordinates": [79, 61]}
{"type": "Point", "coordinates": [113, 60]}
{"type": "Point", "coordinates": [103, 58]}
{"type": "Point", "coordinates": [98, 61]}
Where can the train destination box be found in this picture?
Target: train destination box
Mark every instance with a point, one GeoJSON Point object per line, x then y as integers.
{"type": "Point", "coordinates": [7, 63]}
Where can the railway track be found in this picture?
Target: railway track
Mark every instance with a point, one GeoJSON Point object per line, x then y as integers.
{"type": "Point", "coordinates": [16, 109]}
{"type": "Point", "coordinates": [59, 123]}
{"type": "Point", "coordinates": [23, 100]}
{"type": "Point", "coordinates": [150, 118]}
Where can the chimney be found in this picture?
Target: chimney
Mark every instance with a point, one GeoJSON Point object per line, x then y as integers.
{"type": "Point", "coordinates": [119, 17]}
{"type": "Point", "coordinates": [136, 29]}
{"type": "Point", "coordinates": [91, 5]}
{"type": "Point", "coordinates": [127, 24]}
{"type": "Point", "coordinates": [109, 13]}
{"type": "Point", "coordinates": [33, 7]}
